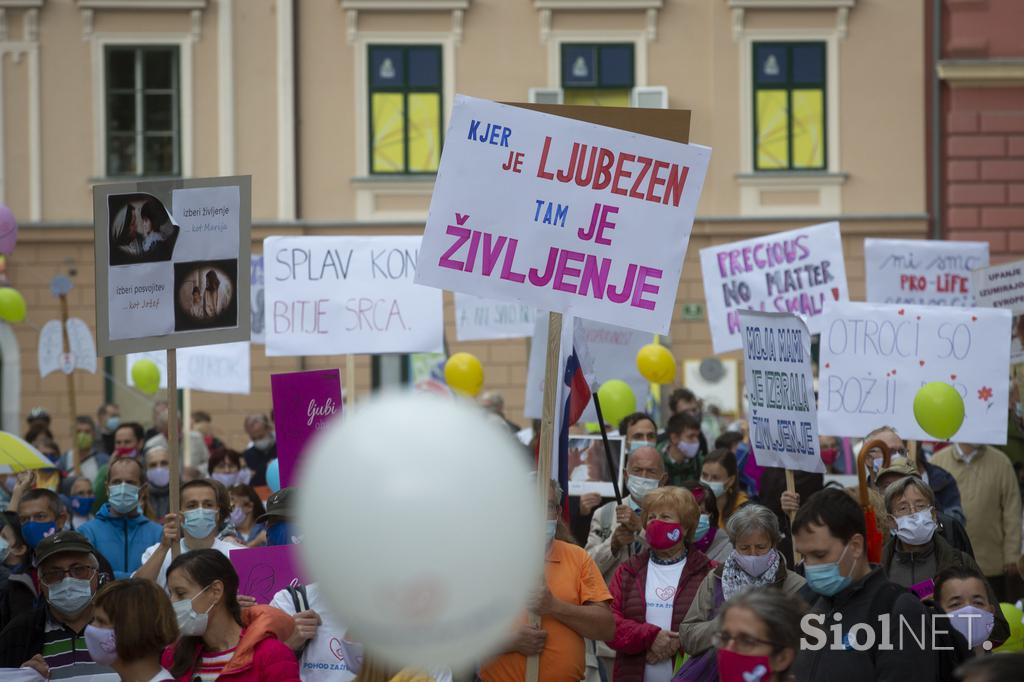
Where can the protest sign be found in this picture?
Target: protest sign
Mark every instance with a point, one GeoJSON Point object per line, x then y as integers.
{"type": "Point", "coordinates": [780, 391]}
{"type": "Point", "coordinates": [221, 368]}
{"type": "Point", "coordinates": [256, 301]}
{"type": "Point", "coordinates": [716, 381]}
{"type": "Point", "coordinates": [588, 466]}
{"type": "Point", "coordinates": [875, 357]}
{"type": "Point", "coordinates": [921, 271]}
{"type": "Point", "coordinates": [304, 403]}
{"type": "Point", "coordinates": [338, 295]}
{"type": "Point", "coordinates": [481, 319]}
{"type": "Point", "coordinates": [561, 214]}
{"type": "Point", "coordinates": [1002, 286]}
{"type": "Point", "coordinates": [169, 255]}
{"type": "Point", "coordinates": [265, 571]}
{"type": "Point", "coordinates": [800, 272]}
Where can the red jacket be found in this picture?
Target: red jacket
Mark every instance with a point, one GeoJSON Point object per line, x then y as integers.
{"type": "Point", "coordinates": [261, 655]}
{"type": "Point", "coordinates": [633, 634]}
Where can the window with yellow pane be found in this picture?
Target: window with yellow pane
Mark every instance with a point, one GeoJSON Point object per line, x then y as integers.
{"type": "Point", "coordinates": [597, 75]}
{"type": "Point", "coordinates": [789, 106]}
{"type": "Point", "coordinates": [405, 108]}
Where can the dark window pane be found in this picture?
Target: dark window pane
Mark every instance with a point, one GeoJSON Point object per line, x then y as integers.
{"type": "Point", "coordinates": [424, 67]}
{"type": "Point", "coordinates": [121, 113]}
{"type": "Point", "coordinates": [770, 65]}
{"type": "Point", "coordinates": [386, 67]}
{"type": "Point", "coordinates": [158, 69]}
{"type": "Point", "coordinates": [158, 113]}
{"type": "Point", "coordinates": [121, 68]}
{"type": "Point", "coordinates": [809, 64]}
{"type": "Point", "coordinates": [158, 155]}
{"type": "Point", "coordinates": [615, 68]}
{"type": "Point", "coordinates": [579, 66]}
{"type": "Point", "coordinates": [121, 155]}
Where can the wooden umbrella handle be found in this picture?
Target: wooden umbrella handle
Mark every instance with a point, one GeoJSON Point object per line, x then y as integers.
{"type": "Point", "coordinates": [862, 467]}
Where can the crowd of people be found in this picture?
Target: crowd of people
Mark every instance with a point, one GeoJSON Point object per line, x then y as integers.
{"type": "Point", "coordinates": [708, 569]}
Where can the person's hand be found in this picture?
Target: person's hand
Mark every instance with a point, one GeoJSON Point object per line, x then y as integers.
{"type": "Point", "coordinates": [246, 601]}
{"type": "Point", "coordinates": [306, 623]}
{"type": "Point", "coordinates": [589, 502]}
{"type": "Point", "coordinates": [529, 640]}
{"type": "Point", "coordinates": [171, 532]}
{"type": "Point", "coordinates": [38, 664]}
{"type": "Point", "coordinates": [622, 537]}
{"type": "Point", "coordinates": [628, 518]}
{"type": "Point", "coordinates": [790, 502]}
{"type": "Point", "coordinates": [26, 481]}
{"type": "Point", "coordinates": [541, 601]}
{"type": "Point", "coordinates": [665, 645]}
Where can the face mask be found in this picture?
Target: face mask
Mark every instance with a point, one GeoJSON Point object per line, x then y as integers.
{"type": "Point", "coordinates": [113, 423]}
{"type": "Point", "coordinates": [828, 456]}
{"type": "Point", "coordinates": [639, 487]}
{"type": "Point", "coordinates": [689, 450]}
{"type": "Point", "coordinates": [5, 549]}
{"type": "Point", "coordinates": [663, 534]}
{"type": "Point", "coordinates": [82, 505]}
{"type": "Point", "coordinates": [279, 534]}
{"type": "Point", "coordinates": [159, 476]}
{"type": "Point", "coordinates": [199, 523]}
{"type": "Point", "coordinates": [717, 487]}
{"type": "Point", "coordinates": [737, 667]}
{"type": "Point", "coordinates": [754, 566]}
{"type": "Point", "coordinates": [191, 623]}
{"type": "Point", "coordinates": [124, 498]}
{"type": "Point", "coordinates": [635, 445]}
{"type": "Point", "coordinates": [70, 595]}
{"type": "Point", "coordinates": [237, 516]}
{"type": "Point", "coordinates": [550, 528]}
{"type": "Point", "coordinates": [35, 531]}
{"type": "Point", "coordinates": [916, 529]}
{"type": "Point", "coordinates": [227, 479]}
{"type": "Point", "coordinates": [825, 579]}
{"type": "Point", "coordinates": [101, 644]}
{"type": "Point", "coordinates": [124, 452]}
{"type": "Point", "coordinates": [703, 526]}
{"type": "Point", "coordinates": [83, 441]}
{"type": "Point", "coordinates": [973, 623]}
{"type": "Point", "coordinates": [263, 443]}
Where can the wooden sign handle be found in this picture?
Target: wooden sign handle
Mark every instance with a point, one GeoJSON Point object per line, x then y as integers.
{"type": "Point", "coordinates": [172, 443]}
{"type": "Point", "coordinates": [66, 348]}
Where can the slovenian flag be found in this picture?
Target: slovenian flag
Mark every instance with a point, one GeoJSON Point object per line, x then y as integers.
{"type": "Point", "coordinates": [575, 394]}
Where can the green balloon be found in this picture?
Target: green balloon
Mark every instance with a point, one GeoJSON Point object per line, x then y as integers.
{"type": "Point", "coordinates": [146, 376]}
{"type": "Point", "coordinates": [617, 401]}
{"type": "Point", "coordinates": [12, 305]}
{"type": "Point", "coordinates": [939, 410]}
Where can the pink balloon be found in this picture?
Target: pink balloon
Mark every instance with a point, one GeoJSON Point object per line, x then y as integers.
{"type": "Point", "coordinates": [8, 230]}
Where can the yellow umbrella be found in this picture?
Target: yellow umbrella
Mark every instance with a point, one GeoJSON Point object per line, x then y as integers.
{"type": "Point", "coordinates": [17, 455]}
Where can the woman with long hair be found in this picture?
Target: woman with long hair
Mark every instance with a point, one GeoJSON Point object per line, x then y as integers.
{"type": "Point", "coordinates": [721, 473]}
{"type": "Point", "coordinates": [246, 507]}
{"type": "Point", "coordinates": [132, 624]}
{"type": "Point", "coordinates": [211, 296]}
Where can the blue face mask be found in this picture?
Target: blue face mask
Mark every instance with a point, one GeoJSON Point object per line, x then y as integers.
{"type": "Point", "coordinates": [550, 529]}
{"type": "Point", "coordinates": [199, 523]}
{"type": "Point", "coordinates": [82, 505]}
{"type": "Point", "coordinates": [124, 498]}
{"type": "Point", "coordinates": [35, 531]}
{"type": "Point", "coordinates": [825, 579]}
{"type": "Point", "coordinates": [703, 526]}
{"type": "Point", "coordinates": [279, 534]}
{"type": "Point", "coordinates": [635, 445]}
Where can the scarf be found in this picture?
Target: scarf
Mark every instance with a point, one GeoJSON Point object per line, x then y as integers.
{"type": "Point", "coordinates": [736, 580]}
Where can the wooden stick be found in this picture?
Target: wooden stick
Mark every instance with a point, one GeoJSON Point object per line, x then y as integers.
{"type": "Point", "coordinates": [186, 445]}
{"type": "Point", "coordinates": [552, 380]}
{"type": "Point", "coordinates": [66, 347]}
{"type": "Point", "coordinates": [350, 380]}
{"type": "Point", "coordinates": [912, 454]}
{"type": "Point", "coordinates": [791, 488]}
{"type": "Point", "coordinates": [172, 442]}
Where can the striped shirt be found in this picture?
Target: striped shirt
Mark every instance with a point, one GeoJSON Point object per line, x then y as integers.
{"type": "Point", "coordinates": [212, 664]}
{"type": "Point", "coordinates": [65, 652]}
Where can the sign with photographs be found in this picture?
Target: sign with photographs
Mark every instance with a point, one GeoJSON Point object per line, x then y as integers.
{"type": "Point", "coordinates": [589, 471]}
{"type": "Point", "coordinates": [171, 261]}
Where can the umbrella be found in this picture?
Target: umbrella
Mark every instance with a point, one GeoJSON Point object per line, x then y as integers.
{"type": "Point", "coordinates": [17, 455]}
{"type": "Point", "coordinates": [874, 538]}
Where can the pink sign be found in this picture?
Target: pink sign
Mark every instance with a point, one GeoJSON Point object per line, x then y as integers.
{"type": "Point", "coordinates": [265, 571]}
{"type": "Point", "coordinates": [304, 402]}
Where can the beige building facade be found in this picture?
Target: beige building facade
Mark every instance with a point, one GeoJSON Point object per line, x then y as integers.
{"type": "Point", "coordinates": [814, 110]}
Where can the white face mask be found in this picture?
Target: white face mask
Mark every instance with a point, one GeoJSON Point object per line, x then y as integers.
{"type": "Point", "coordinates": [689, 450]}
{"type": "Point", "coordinates": [973, 623]}
{"type": "Point", "coordinates": [717, 487]}
{"type": "Point", "coordinates": [191, 623]}
{"type": "Point", "coordinates": [639, 486]}
{"type": "Point", "coordinates": [916, 529]}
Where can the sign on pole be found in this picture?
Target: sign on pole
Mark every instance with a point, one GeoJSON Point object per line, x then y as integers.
{"type": "Point", "coordinates": [922, 271]}
{"type": "Point", "coordinates": [222, 368]}
{"type": "Point", "coordinates": [1002, 286]}
{"type": "Point", "coordinates": [257, 314]}
{"type": "Point", "coordinates": [482, 319]}
{"type": "Point", "coordinates": [304, 403]}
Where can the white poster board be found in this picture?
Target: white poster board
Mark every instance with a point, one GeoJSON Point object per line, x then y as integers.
{"type": "Point", "coordinates": [482, 319]}
{"type": "Point", "coordinates": [921, 271]}
{"type": "Point", "coordinates": [715, 381]}
{"type": "Point", "coordinates": [222, 368]}
{"type": "Point", "coordinates": [81, 353]}
{"type": "Point", "coordinates": [801, 271]}
{"type": "Point", "coordinates": [875, 357]}
{"type": "Point", "coordinates": [561, 214]}
{"type": "Point", "coordinates": [588, 466]}
{"type": "Point", "coordinates": [780, 391]}
{"type": "Point", "coordinates": [256, 298]}
{"type": "Point", "coordinates": [1002, 286]}
{"type": "Point", "coordinates": [346, 295]}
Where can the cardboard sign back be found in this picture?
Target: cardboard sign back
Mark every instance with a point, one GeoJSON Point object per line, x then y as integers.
{"type": "Point", "coordinates": [668, 124]}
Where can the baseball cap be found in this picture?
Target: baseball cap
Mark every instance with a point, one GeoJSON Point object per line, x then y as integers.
{"type": "Point", "coordinates": [37, 413]}
{"type": "Point", "coordinates": [62, 542]}
{"type": "Point", "coordinates": [278, 505]}
{"type": "Point", "coordinates": [898, 465]}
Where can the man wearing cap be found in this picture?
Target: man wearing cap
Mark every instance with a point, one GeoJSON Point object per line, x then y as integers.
{"type": "Point", "coordinates": [38, 418]}
{"type": "Point", "coordinates": [278, 518]}
{"type": "Point", "coordinates": [50, 638]}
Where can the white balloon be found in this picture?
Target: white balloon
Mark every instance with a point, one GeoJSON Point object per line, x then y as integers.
{"type": "Point", "coordinates": [422, 527]}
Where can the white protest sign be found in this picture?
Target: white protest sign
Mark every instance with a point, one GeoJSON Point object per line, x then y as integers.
{"type": "Point", "coordinates": [561, 214]}
{"type": "Point", "coordinates": [921, 271]}
{"type": "Point", "coordinates": [875, 357]}
{"type": "Point", "coordinates": [1002, 286]}
{"type": "Point", "coordinates": [481, 319]}
{"type": "Point", "coordinates": [256, 298]}
{"type": "Point", "coordinates": [222, 368]}
{"type": "Point", "coordinates": [780, 391]}
{"type": "Point", "coordinates": [344, 295]}
{"type": "Point", "coordinates": [81, 353]}
{"type": "Point", "coordinates": [800, 272]}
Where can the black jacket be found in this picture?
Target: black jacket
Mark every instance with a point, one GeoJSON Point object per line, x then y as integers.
{"type": "Point", "coordinates": [23, 637]}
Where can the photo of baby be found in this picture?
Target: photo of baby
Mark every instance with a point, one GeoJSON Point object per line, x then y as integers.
{"type": "Point", "coordinates": [205, 295]}
{"type": "Point", "coordinates": [588, 467]}
{"type": "Point", "coordinates": [141, 229]}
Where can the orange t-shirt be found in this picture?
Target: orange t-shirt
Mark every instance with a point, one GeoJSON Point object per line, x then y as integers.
{"type": "Point", "coordinates": [573, 577]}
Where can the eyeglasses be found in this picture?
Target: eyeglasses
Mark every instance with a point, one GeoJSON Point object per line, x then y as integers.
{"type": "Point", "coordinates": [906, 509]}
{"type": "Point", "coordinates": [53, 576]}
{"type": "Point", "coordinates": [745, 644]}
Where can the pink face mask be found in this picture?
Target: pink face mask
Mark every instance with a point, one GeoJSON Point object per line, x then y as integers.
{"type": "Point", "coordinates": [829, 455]}
{"type": "Point", "coordinates": [663, 534]}
{"type": "Point", "coordinates": [736, 667]}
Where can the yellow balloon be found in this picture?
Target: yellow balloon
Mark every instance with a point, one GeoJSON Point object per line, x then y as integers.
{"type": "Point", "coordinates": [12, 305]}
{"type": "Point", "coordinates": [656, 364]}
{"type": "Point", "coordinates": [146, 376]}
{"type": "Point", "coordinates": [464, 374]}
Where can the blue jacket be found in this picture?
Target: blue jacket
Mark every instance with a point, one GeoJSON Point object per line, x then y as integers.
{"type": "Point", "coordinates": [122, 539]}
{"type": "Point", "coordinates": [947, 493]}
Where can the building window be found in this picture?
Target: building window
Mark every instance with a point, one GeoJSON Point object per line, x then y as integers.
{"type": "Point", "coordinates": [599, 75]}
{"type": "Point", "coordinates": [143, 111]}
{"type": "Point", "coordinates": [405, 108]}
{"type": "Point", "coordinates": [789, 106]}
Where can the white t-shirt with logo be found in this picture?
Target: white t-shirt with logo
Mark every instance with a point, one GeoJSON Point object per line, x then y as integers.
{"type": "Point", "coordinates": [323, 660]}
{"type": "Point", "coordinates": [662, 581]}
